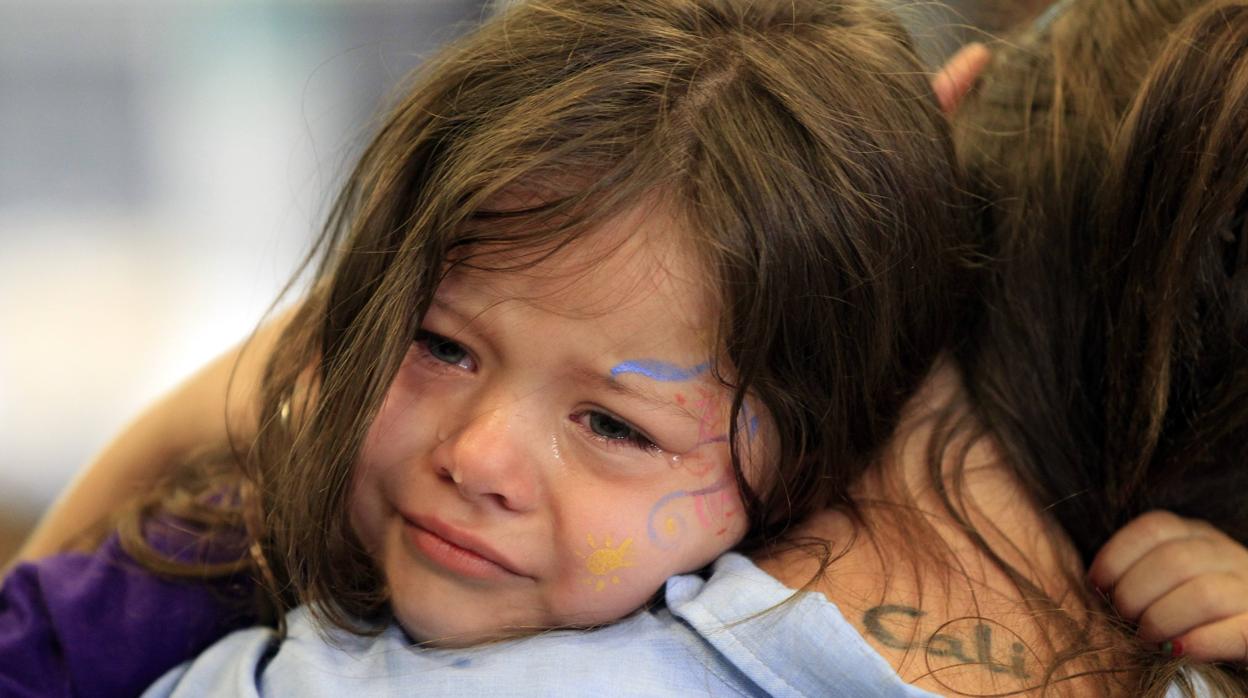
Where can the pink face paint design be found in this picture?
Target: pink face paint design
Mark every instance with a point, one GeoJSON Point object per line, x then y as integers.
{"type": "Point", "coordinates": [714, 509]}
{"type": "Point", "coordinates": [663, 525]}
{"type": "Point", "coordinates": [710, 406]}
{"type": "Point", "coordinates": [699, 508]}
{"type": "Point", "coordinates": [700, 461]}
{"type": "Point", "coordinates": [715, 504]}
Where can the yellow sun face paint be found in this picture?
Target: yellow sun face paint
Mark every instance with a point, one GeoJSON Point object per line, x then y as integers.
{"type": "Point", "coordinates": [604, 560]}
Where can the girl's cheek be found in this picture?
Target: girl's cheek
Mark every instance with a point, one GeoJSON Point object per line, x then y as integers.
{"type": "Point", "coordinates": [704, 513]}
{"type": "Point", "coordinates": [406, 422]}
{"type": "Point", "coordinates": [617, 564]}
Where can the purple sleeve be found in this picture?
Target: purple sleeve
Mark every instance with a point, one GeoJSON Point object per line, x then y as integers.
{"type": "Point", "coordinates": [98, 625]}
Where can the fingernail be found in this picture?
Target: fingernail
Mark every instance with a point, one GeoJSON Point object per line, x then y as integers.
{"type": "Point", "coordinates": [1174, 648]}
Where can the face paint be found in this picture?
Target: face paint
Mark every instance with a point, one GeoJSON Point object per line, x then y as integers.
{"type": "Point", "coordinates": [659, 370]}
{"type": "Point", "coordinates": [715, 504]}
{"type": "Point", "coordinates": [511, 450]}
{"type": "Point", "coordinates": [664, 524]}
{"type": "Point", "coordinates": [603, 561]}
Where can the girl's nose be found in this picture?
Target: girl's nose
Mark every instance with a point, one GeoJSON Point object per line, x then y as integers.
{"type": "Point", "coordinates": [489, 460]}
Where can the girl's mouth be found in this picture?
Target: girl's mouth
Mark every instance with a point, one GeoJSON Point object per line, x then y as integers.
{"type": "Point", "coordinates": [457, 551]}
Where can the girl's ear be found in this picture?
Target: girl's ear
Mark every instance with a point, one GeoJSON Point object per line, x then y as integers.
{"type": "Point", "coordinates": [958, 74]}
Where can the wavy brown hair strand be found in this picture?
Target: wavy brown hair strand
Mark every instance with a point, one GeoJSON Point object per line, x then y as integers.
{"type": "Point", "coordinates": [1112, 356]}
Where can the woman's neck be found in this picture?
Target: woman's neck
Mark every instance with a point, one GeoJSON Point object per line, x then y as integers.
{"type": "Point", "coordinates": [918, 573]}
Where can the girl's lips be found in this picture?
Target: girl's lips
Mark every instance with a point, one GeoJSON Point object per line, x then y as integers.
{"type": "Point", "coordinates": [457, 550]}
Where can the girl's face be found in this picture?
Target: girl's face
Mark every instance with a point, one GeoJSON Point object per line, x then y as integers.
{"type": "Point", "coordinates": [553, 446]}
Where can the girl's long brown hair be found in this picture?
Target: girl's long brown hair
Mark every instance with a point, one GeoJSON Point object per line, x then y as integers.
{"type": "Point", "coordinates": [798, 141]}
{"type": "Point", "coordinates": [1111, 358]}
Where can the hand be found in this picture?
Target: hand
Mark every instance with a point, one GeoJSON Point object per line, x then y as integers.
{"type": "Point", "coordinates": [1184, 582]}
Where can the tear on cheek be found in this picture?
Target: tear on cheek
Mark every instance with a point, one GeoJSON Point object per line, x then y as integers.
{"type": "Point", "coordinates": [699, 462]}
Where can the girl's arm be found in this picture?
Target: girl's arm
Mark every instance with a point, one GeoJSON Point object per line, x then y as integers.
{"type": "Point", "coordinates": [217, 401]}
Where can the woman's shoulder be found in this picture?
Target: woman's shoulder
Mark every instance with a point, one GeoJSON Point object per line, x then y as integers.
{"type": "Point", "coordinates": [788, 642]}
{"type": "Point", "coordinates": [925, 587]}
{"type": "Point", "coordinates": [936, 606]}
{"type": "Point", "coordinates": [926, 632]}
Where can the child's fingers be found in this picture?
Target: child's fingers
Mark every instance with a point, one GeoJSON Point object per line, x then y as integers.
{"type": "Point", "coordinates": [1132, 542]}
{"type": "Point", "coordinates": [1205, 600]}
{"type": "Point", "coordinates": [1223, 641]}
{"type": "Point", "coordinates": [1170, 565]}
{"type": "Point", "coordinates": [958, 74]}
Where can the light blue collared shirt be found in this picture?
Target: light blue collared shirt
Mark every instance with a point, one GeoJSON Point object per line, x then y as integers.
{"type": "Point", "coordinates": [715, 637]}
{"type": "Point", "coordinates": [736, 634]}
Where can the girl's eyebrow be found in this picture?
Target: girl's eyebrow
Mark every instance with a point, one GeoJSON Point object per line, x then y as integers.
{"type": "Point", "coordinates": [443, 306]}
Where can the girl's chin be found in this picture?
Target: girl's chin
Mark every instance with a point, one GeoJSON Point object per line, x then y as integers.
{"type": "Point", "coordinates": [460, 632]}
{"type": "Point", "coordinates": [428, 634]}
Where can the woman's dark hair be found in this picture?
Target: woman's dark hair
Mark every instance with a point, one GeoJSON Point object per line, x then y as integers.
{"type": "Point", "coordinates": [1111, 358]}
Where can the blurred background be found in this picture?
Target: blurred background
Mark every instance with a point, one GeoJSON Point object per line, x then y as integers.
{"type": "Point", "coordinates": [163, 166]}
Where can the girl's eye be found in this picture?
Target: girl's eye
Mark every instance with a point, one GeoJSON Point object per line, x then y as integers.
{"type": "Point", "coordinates": [445, 351]}
{"type": "Point", "coordinates": [616, 432]}
{"type": "Point", "coordinates": [610, 427]}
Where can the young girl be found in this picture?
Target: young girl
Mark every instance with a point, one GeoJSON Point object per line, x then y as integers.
{"type": "Point", "coordinates": [617, 286]}
{"type": "Point", "coordinates": [594, 310]}
{"type": "Point", "coordinates": [563, 348]}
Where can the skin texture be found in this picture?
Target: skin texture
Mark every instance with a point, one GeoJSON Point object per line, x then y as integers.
{"type": "Point", "coordinates": [515, 424]}
{"type": "Point", "coordinates": [954, 629]}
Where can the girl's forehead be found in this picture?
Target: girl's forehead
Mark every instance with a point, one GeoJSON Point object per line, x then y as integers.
{"type": "Point", "coordinates": [641, 260]}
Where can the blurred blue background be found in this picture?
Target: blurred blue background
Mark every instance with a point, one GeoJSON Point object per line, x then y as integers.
{"type": "Point", "coordinates": [163, 166]}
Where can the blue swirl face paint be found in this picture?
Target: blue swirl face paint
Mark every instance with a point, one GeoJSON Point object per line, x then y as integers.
{"type": "Point", "coordinates": [676, 523]}
{"type": "Point", "coordinates": [659, 370]}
